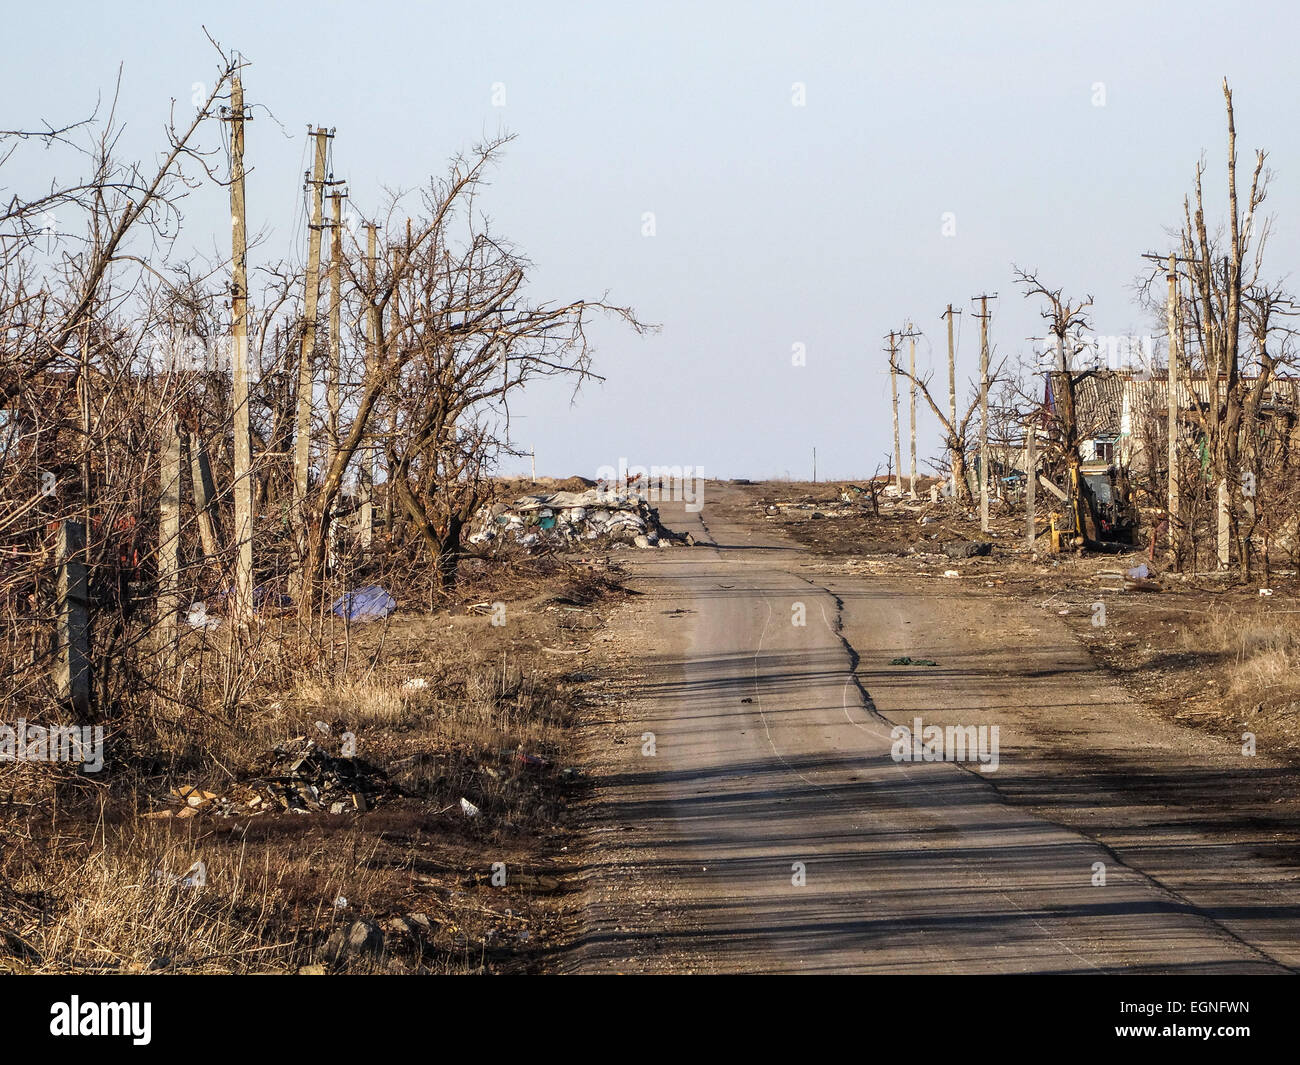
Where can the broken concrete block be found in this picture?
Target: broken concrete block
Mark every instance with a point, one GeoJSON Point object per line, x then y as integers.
{"type": "Point", "coordinates": [361, 938]}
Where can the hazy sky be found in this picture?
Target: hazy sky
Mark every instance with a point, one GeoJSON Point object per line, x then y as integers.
{"type": "Point", "coordinates": [776, 224]}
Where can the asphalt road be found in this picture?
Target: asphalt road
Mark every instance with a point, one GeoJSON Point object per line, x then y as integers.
{"type": "Point", "coordinates": [749, 815]}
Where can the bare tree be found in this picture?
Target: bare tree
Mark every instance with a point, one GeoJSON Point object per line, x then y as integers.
{"type": "Point", "coordinates": [458, 336]}
{"type": "Point", "coordinates": [1221, 269]}
{"type": "Point", "coordinates": [1065, 319]}
{"type": "Point", "coordinates": [957, 438]}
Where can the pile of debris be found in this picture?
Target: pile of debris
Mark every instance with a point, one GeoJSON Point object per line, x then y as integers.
{"type": "Point", "coordinates": [298, 777]}
{"type": "Point", "coordinates": [302, 777]}
{"type": "Point", "coordinates": [562, 518]}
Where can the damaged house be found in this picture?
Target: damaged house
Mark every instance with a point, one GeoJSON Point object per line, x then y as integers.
{"type": "Point", "coordinates": [1123, 417]}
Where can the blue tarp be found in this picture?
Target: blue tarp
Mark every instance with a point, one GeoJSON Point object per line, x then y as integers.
{"type": "Point", "coordinates": [365, 604]}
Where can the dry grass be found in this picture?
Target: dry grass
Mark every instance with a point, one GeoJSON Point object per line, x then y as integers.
{"type": "Point", "coordinates": [1259, 651]}
{"type": "Point", "coordinates": [446, 705]}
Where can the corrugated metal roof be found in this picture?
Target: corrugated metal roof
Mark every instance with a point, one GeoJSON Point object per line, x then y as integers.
{"type": "Point", "coordinates": [1103, 398]}
{"type": "Point", "coordinates": [1098, 401]}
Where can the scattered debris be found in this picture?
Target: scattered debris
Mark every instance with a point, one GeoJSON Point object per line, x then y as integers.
{"type": "Point", "coordinates": [192, 796]}
{"type": "Point", "coordinates": [302, 777]}
{"type": "Point", "coordinates": [198, 617]}
{"type": "Point", "coordinates": [196, 876]}
{"type": "Point", "coordinates": [905, 661]}
{"type": "Point", "coordinates": [468, 808]}
{"type": "Point", "coordinates": [192, 801]}
{"type": "Point", "coordinates": [298, 777]}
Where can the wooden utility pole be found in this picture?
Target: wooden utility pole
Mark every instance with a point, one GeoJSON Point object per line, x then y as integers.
{"type": "Point", "coordinates": [336, 302]}
{"type": "Point", "coordinates": [911, 371]}
{"type": "Point", "coordinates": [169, 541]}
{"type": "Point", "coordinates": [1224, 538]}
{"type": "Point", "coordinates": [332, 400]}
{"type": "Point", "coordinates": [893, 393]}
{"type": "Point", "coordinates": [952, 396]}
{"type": "Point", "coordinates": [984, 409]}
{"type": "Point", "coordinates": [302, 433]}
{"type": "Point", "coordinates": [366, 476]}
{"type": "Point", "coordinates": [242, 484]}
{"type": "Point", "coordinates": [394, 318]}
{"type": "Point", "coordinates": [72, 666]}
{"type": "Point", "coordinates": [1171, 315]}
{"type": "Point", "coordinates": [1031, 482]}
{"type": "Point", "coordinates": [1174, 327]}
{"type": "Point", "coordinates": [205, 493]}
{"type": "Point", "coordinates": [83, 392]}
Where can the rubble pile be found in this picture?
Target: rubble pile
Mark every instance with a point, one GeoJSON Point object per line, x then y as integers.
{"type": "Point", "coordinates": [297, 777]}
{"type": "Point", "coordinates": [302, 777]}
{"type": "Point", "coordinates": [562, 518]}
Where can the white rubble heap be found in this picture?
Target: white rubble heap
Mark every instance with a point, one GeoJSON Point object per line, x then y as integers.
{"type": "Point", "coordinates": [562, 518]}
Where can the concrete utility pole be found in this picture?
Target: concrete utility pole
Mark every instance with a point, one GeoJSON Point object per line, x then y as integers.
{"type": "Point", "coordinates": [242, 485]}
{"type": "Point", "coordinates": [302, 434]}
{"type": "Point", "coordinates": [893, 393]}
{"type": "Point", "coordinates": [984, 409]}
{"type": "Point", "coordinates": [911, 372]}
{"type": "Point", "coordinates": [952, 393]}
